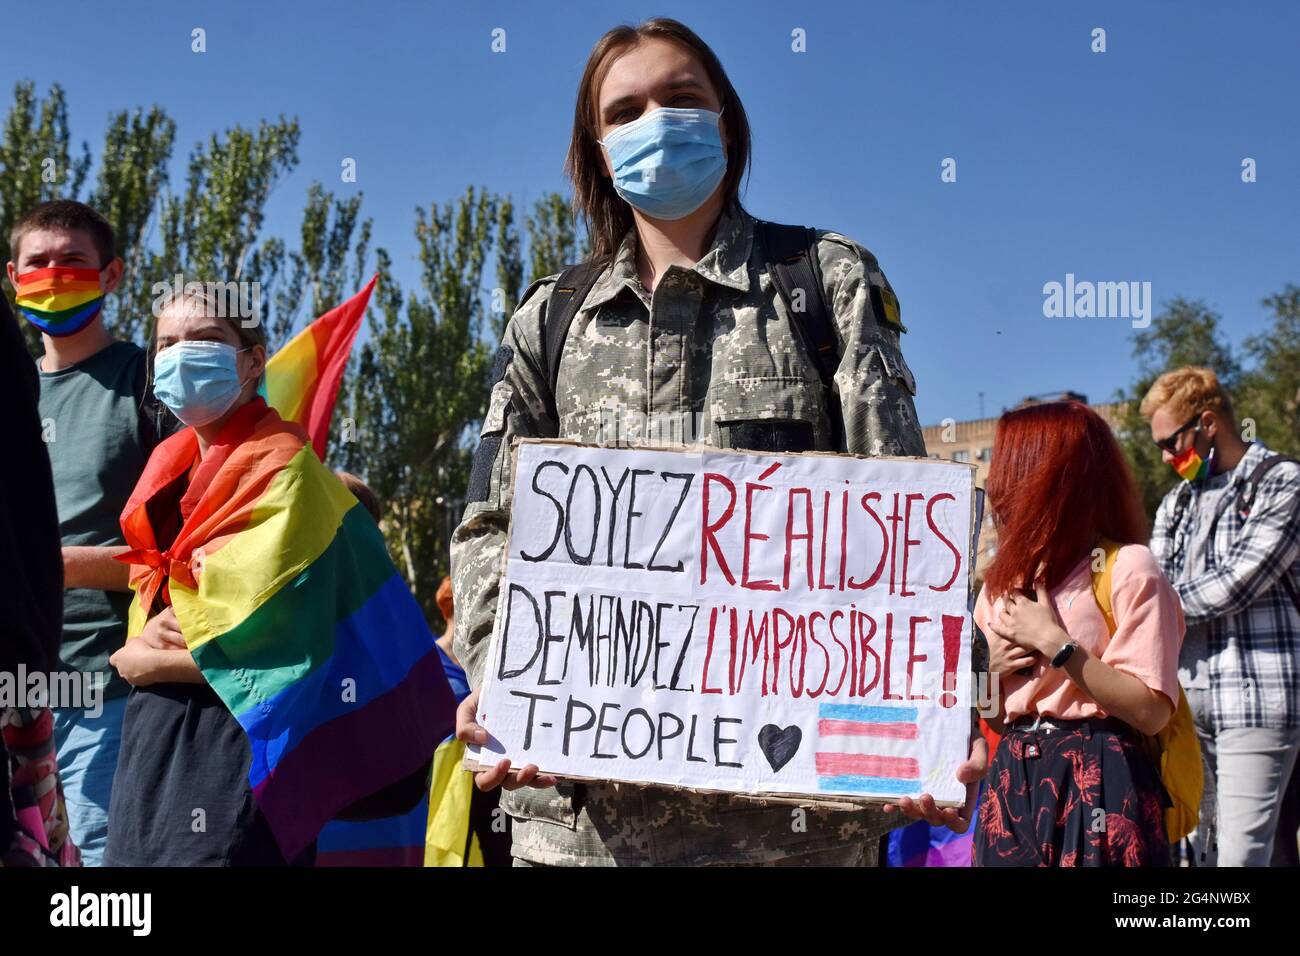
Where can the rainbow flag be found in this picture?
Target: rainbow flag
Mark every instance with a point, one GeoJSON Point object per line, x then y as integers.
{"type": "Point", "coordinates": [302, 378]}
{"type": "Point", "coordinates": [296, 616]}
{"type": "Point", "coordinates": [59, 300]}
{"type": "Point", "coordinates": [390, 841]}
{"type": "Point", "coordinates": [435, 833]}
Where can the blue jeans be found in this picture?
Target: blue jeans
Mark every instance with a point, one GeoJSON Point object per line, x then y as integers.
{"type": "Point", "coordinates": [87, 752]}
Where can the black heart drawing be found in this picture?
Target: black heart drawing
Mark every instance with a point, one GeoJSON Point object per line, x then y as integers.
{"type": "Point", "coordinates": [779, 745]}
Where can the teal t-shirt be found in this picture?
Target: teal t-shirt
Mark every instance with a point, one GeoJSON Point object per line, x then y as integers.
{"type": "Point", "coordinates": [100, 429]}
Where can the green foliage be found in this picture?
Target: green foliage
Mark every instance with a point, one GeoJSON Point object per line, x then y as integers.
{"type": "Point", "coordinates": [132, 176]}
{"type": "Point", "coordinates": [552, 237]}
{"type": "Point", "coordinates": [36, 164]}
{"type": "Point", "coordinates": [421, 382]}
{"type": "Point", "coordinates": [1269, 401]}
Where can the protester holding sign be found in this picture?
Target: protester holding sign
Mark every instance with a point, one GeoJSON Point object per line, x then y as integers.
{"type": "Point", "coordinates": [692, 323]}
{"type": "Point", "coordinates": [1076, 598]}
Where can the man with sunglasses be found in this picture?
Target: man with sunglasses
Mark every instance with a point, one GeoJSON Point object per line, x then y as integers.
{"type": "Point", "coordinates": [1228, 538]}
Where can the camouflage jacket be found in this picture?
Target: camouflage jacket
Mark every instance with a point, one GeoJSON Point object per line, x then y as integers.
{"type": "Point", "coordinates": [710, 357]}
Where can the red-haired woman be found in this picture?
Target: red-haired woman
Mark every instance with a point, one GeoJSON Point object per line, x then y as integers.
{"type": "Point", "coordinates": [1071, 783]}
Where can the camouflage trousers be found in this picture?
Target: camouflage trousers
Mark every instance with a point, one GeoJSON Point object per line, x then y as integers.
{"type": "Point", "coordinates": [635, 825]}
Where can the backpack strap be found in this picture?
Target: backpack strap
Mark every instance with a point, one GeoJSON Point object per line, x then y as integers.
{"type": "Point", "coordinates": [1246, 496]}
{"type": "Point", "coordinates": [1102, 583]}
{"type": "Point", "coordinates": [791, 256]}
{"type": "Point", "coordinates": [570, 292]}
{"type": "Point", "coordinates": [1246, 501]}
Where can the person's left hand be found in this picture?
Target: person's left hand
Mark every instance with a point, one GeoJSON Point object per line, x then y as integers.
{"type": "Point", "coordinates": [970, 773]}
{"type": "Point", "coordinates": [1030, 624]}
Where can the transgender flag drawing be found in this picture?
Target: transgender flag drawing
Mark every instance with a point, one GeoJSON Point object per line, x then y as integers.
{"type": "Point", "coordinates": [867, 749]}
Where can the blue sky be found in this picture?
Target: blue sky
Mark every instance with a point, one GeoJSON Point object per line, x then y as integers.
{"type": "Point", "coordinates": [1123, 165]}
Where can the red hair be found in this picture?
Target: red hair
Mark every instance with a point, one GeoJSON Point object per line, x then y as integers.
{"type": "Point", "coordinates": [1058, 483]}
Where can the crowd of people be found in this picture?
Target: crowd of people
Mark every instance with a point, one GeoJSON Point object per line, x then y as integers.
{"type": "Point", "coordinates": [169, 538]}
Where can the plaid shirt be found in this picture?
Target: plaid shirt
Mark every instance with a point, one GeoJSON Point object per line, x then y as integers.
{"type": "Point", "coordinates": [1253, 626]}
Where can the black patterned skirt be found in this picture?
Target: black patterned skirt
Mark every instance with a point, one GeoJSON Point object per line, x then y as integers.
{"type": "Point", "coordinates": [1087, 796]}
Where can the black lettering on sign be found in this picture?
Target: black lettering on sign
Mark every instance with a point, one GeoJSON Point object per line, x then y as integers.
{"type": "Point", "coordinates": [686, 487]}
{"type": "Point", "coordinates": [575, 556]}
{"type": "Point", "coordinates": [502, 673]}
{"type": "Point", "coordinates": [559, 510]}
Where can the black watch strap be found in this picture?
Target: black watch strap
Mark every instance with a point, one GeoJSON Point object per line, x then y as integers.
{"type": "Point", "coordinates": [1064, 654]}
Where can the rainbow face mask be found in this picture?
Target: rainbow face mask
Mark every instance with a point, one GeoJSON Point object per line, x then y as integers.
{"type": "Point", "coordinates": [1190, 465]}
{"type": "Point", "coordinates": [60, 301]}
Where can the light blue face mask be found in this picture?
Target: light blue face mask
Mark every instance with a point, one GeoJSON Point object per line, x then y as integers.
{"type": "Point", "coordinates": [668, 162]}
{"type": "Point", "coordinates": [198, 381]}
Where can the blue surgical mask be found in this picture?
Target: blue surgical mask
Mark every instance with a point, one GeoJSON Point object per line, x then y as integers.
{"type": "Point", "coordinates": [667, 162]}
{"type": "Point", "coordinates": [198, 381]}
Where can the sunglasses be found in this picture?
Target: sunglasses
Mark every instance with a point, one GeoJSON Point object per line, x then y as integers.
{"type": "Point", "coordinates": [1170, 444]}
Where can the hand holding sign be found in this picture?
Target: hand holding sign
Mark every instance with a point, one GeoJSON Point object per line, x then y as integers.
{"type": "Point", "coordinates": [501, 775]}
{"type": "Point", "coordinates": [971, 772]}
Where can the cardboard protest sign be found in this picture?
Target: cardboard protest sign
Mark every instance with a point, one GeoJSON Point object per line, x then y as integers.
{"type": "Point", "coordinates": [718, 620]}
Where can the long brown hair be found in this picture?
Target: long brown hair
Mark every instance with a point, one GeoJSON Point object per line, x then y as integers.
{"type": "Point", "coordinates": [1057, 483]}
{"type": "Point", "coordinates": [605, 215]}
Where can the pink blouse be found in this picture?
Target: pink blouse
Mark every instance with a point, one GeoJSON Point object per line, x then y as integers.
{"type": "Point", "coordinates": [1148, 636]}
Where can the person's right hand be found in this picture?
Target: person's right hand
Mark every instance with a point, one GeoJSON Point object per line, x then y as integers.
{"type": "Point", "coordinates": [163, 632]}
{"type": "Point", "coordinates": [1005, 657]}
{"type": "Point", "coordinates": [501, 775]}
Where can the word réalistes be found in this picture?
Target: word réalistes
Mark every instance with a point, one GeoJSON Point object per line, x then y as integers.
{"type": "Point", "coordinates": [824, 540]}
{"type": "Point", "coordinates": [674, 647]}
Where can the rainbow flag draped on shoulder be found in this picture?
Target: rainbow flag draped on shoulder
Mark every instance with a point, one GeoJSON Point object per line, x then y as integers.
{"type": "Point", "coordinates": [295, 614]}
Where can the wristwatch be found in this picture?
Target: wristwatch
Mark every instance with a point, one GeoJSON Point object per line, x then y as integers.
{"type": "Point", "coordinates": [1064, 654]}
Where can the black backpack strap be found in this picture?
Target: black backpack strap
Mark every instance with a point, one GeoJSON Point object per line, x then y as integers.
{"type": "Point", "coordinates": [791, 256]}
{"type": "Point", "coordinates": [1246, 501]}
{"type": "Point", "coordinates": [566, 299]}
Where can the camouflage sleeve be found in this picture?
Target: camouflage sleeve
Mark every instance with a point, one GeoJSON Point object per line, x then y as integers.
{"type": "Point", "coordinates": [876, 386]}
{"type": "Point", "coordinates": [520, 406]}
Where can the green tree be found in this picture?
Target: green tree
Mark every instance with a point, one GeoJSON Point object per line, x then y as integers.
{"type": "Point", "coordinates": [210, 232]}
{"type": "Point", "coordinates": [420, 383]}
{"type": "Point", "coordinates": [552, 237]}
{"type": "Point", "coordinates": [36, 164]}
{"type": "Point", "coordinates": [328, 266]}
{"type": "Point", "coordinates": [421, 380]}
{"type": "Point", "coordinates": [132, 177]}
{"type": "Point", "coordinates": [1268, 401]}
